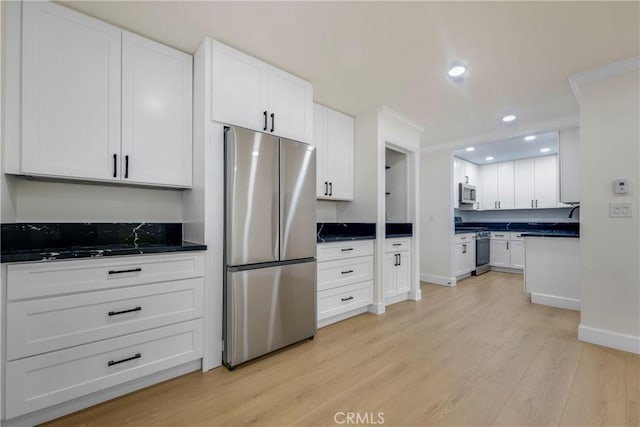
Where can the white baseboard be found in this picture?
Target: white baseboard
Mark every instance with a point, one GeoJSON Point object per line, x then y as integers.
{"type": "Point", "coordinates": [416, 294]}
{"type": "Point", "coordinates": [57, 411]}
{"type": "Point", "coordinates": [396, 298]}
{"type": "Point", "coordinates": [377, 308]}
{"type": "Point", "coordinates": [556, 301]}
{"type": "Point", "coordinates": [340, 317]}
{"type": "Point", "coordinates": [507, 270]}
{"type": "Point", "coordinates": [438, 280]}
{"type": "Point", "coordinates": [611, 339]}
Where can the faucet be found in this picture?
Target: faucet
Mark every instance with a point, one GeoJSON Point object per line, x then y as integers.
{"type": "Point", "coordinates": [573, 209]}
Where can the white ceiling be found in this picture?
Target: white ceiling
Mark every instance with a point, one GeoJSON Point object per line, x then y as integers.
{"type": "Point", "coordinates": [360, 55]}
{"type": "Point", "coordinates": [511, 149]}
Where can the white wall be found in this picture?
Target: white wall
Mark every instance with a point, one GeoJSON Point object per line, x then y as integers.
{"type": "Point", "coordinates": [436, 211]}
{"type": "Point", "coordinates": [42, 201]}
{"type": "Point", "coordinates": [610, 149]}
{"type": "Point", "coordinates": [326, 211]}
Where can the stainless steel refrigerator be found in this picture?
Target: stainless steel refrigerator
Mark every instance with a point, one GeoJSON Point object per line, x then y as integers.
{"type": "Point", "coordinates": [270, 249]}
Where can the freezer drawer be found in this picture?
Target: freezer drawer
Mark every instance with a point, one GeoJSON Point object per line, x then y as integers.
{"type": "Point", "coordinates": [267, 309]}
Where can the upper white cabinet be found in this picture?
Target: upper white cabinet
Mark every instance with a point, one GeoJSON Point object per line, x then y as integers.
{"type": "Point", "coordinates": [101, 105]}
{"type": "Point", "coordinates": [570, 165]}
{"type": "Point", "coordinates": [250, 93]}
{"type": "Point", "coordinates": [70, 93]}
{"type": "Point", "coordinates": [497, 186]}
{"type": "Point", "coordinates": [156, 113]}
{"type": "Point", "coordinates": [333, 137]}
{"type": "Point", "coordinates": [466, 173]}
{"type": "Point", "coordinates": [536, 182]}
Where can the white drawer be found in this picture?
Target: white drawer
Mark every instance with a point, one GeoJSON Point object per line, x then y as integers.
{"type": "Point", "coordinates": [342, 250]}
{"type": "Point", "coordinates": [47, 324]}
{"type": "Point", "coordinates": [397, 245]}
{"type": "Point", "coordinates": [332, 274]}
{"type": "Point", "coordinates": [41, 381]}
{"type": "Point", "coordinates": [464, 238]}
{"type": "Point", "coordinates": [32, 280]}
{"type": "Point", "coordinates": [500, 235]}
{"type": "Point", "coordinates": [340, 300]}
{"type": "Point", "coordinates": [517, 236]}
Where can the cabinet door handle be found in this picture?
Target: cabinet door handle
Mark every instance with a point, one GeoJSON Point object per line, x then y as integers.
{"type": "Point", "coordinates": [331, 188]}
{"type": "Point", "coordinates": [464, 249]}
{"type": "Point", "coordinates": [346, 272]}
{"type": "Point", "coordinates": [346, 299]}
{"type": "Point", "coordinates": [397, 244]}
{"type": "Point", "coordinates": [399, 259]}
{"type": "Point", "coordinates": [131, 310]}
{"type": "Point", "coordinates": [326, 188]}
{"type": "Point", "coordinates": [466, 179]}
{"type": "Point", "coordinates": [126, 166]}
{"type": "Point", "coordinates": [131, 270]}
{"type": "Point", "coordinates": [499, 205]}
{"type": "Point", "coordinates": [507, 245]}
{"type": "Point", "coordinates": [346, 249]}
{"type": "Point", "coordinates": [495, 205]}
{"type": "Point", "coordinates": [273, 121]}
{"type": "Point", "coordinates": [115, 165]}
{"type": "Point", "coordinates": [128, 359]}
{"type": "Point", "coordinates": [265, 120]}
{"type": "Point", "coordinates": [536, 203]}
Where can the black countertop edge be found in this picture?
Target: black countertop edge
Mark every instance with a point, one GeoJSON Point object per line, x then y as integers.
{"type": "Point", "coordinates": [396, 235]}
{"type": "Point", "coordinates": [329, 239]}
{"type": "Point", "coordinates": [570, 227]}
{"type": "Point", "coordinates": [546, 234]}
{"type": "Point", "coordinates": [92, 252]}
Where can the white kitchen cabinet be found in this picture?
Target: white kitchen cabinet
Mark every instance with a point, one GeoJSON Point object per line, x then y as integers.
{"type": "Point", "coordinates": [536, 182]}
{"type": "Point", "coordinates": [156, 113]}
{"type": "Point", "coordinates": [396, 268]}
{"type": "Point", "coordinates": [470, 173]}
{"type": "Point", "coordinates": [333, 137]}
{"type": "Point", "coordinates": [102, 105]}
{"type": "Point", "coordinates": [79, 327]}
{"type": "Point", "coordinates": [467, 173]}
{"type": "Point", "coordinates": [497, 186]}
{"type": "Point", "coordinates": [506, 250]}
{"type": "Point", "coordinates": [569, 159]}
{"type": "Point", "coordinates": [464, 254]}
{"type": "Point", "coordinates": [70, 93]}
{"type": "Point", "coordinates": [253, 94]}
{"type": "Point", "coordinates": [345, 279]}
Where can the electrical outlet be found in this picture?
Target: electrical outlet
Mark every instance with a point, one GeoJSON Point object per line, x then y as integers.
{"type": "Point", "coordinates": [620, 210]}
{"type": "Point", "coordinates": [621, 186]}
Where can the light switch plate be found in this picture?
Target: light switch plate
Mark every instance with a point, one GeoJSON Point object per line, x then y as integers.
{"type": "Point", "coordinates": [620, 210]}
{"type": "Point", "coordinates": [621, 186]}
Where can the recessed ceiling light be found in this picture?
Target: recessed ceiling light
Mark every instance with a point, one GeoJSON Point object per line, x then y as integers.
{"type": "Point", "coordinates": [489, 158]}
{"type": "Point", "coordinates": [457, 71]}
{"type": "Point", "coordinates": [529, 137]}
{"type": "Point", "coordinates": [470, 148]}
{"type": "Point", "coordinates": [509, 118]}
{"type": "Point", "coordinates": [545, 149]}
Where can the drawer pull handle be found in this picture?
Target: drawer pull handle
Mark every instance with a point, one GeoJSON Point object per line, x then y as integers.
{"type": "Point", "coordinates": [397, 244]}
{"type": "Point", "coordinates": [131, 310]}
{"type": "Point", "coordinates": [346, 299]}
{"type": "Point", "coordinates": [347, 272]}
{"type": "Point", "coordinates": [346, 249]}
{"type": "Point", "coordinates": [131, 270]}
{"type": "Point", "coordinates": [115, 362]}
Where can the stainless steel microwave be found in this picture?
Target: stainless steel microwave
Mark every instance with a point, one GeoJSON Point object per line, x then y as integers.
{"type": "Point", "coordinates": [467, 193]}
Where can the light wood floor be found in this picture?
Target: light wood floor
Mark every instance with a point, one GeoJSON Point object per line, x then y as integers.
{"type": "Point", "coordinates": [476, 354]}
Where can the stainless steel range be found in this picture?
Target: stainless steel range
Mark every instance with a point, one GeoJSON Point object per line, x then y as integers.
{"type": "Point", "coordinates": [482, 252]}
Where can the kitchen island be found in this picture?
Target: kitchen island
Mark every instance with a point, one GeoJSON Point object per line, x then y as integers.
{"type": "Point", "coordinates": [552, 269]}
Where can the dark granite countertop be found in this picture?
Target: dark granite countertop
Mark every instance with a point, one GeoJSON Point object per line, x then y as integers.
{"type": "Point", "coordinates": [22, 242]}
{"type": "Point", "coordinates": [398, 229]}
{"type": "Point", "coordinates": [571, 229]}
{"type": "Point", "coordinates": [551, 234]}
{"type": "Point", "coordinates": [341, 231]}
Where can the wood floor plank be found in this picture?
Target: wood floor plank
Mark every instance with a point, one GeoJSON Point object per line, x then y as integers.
{"type": "Point", "coordinates": [597, 395]}
{"type": "Point", "coordinates": [476, 354]}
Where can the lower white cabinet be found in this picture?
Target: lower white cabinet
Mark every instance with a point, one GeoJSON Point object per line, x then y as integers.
{"type": "Point", "coordinates": [345, 279]}
{"type": "Point", "coordinates": [397, 267]}
{"type": "Point", "coordinates": [464, 254]}
{"type": "Point", "coordinates": [80, 326]}
{"type": "Point", "coordinates": [506, 250]}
